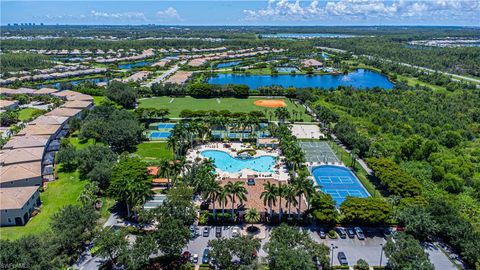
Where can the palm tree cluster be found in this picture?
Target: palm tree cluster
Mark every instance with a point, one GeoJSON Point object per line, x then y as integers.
{"type": "Point", "coordinates": [233, 192]}
{"type": "Point", "coordinates": [291, 193]}
{"type": "Point", "coordinates": [293, 153]}
{"type": "Point", "coordinates": [187, 132]}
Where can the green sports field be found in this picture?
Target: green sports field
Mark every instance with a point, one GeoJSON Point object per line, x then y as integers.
{"type": "Point", "coordinates": [176, 105]}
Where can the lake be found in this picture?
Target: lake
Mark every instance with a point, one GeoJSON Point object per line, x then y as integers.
{"type": "Point", "coordinates": [228, 64]}
{"type": "Point", "coordinates": [57, 85]}
{"type": "Point", "coordinates": [134, 64]}
{"type": "Point", "coordinates": [359, 79]}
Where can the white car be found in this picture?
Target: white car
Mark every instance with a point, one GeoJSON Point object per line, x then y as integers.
{"type": "Point", "coordinates": [195, 258]}
{"type": "Point", "coordinates": [235, 232]}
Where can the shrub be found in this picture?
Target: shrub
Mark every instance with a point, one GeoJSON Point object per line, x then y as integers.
{"type": "Point", "coordinates": [332, 234]}
{"type": "Point", "coordinates": [362, 265]}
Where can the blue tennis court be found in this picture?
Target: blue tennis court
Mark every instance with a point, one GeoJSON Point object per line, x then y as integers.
{"type": "Point", "coordinates": [156, 135]}
{"type": "Point", "coordinates": [339, 182]}
{"type": "Point", "coordinates": [165, 126]}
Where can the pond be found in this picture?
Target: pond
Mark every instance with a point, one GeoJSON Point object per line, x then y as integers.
{"type": "Point", "coordinates": [360, 79]}
{"type": "Point", "coordinates": [74, 82]}
{"type": "Point", "coordinates": [134, 64]}
{"type": "Point", "coordinates": [228, 64]}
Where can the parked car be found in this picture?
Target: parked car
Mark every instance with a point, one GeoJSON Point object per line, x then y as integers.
{"type": "Point", "coordinates": [322, 233]}
{"type": "Point", "coordinates": [359, 233]}
{"type": "Point", "coordinates": [193, 230]}
{"type": "Point", "coordinates": [342, 258]}
{"type": "Point", "coordinates": [218, 232]}
{"type": "Point", "coordinates": [350, 233]}
{"type": "Point", "coordinates": [205, 257]}
{"type": "Point", "coordinates": [206, 231]}
{"type": "Point", "coordinates": [235, 232]}
{"type": "Point", "coordinates": [186, 255]}
{"type": "Point", "coordinates": [197, 231]}
{"type": "Point", "coordinates": [195, 258]}
{"type": "Point", "coordinates": [341, 233]}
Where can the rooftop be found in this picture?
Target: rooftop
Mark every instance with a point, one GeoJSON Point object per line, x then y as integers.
{"type": "Point", "coordinates": [68, 112]}
{"type": "Point", "coordinates": [20, 171]}
{"type": "Point", "coordinates": [16, 197]}
{"type": "Point", "coordinates": [49, 120]}
{"type": "Point", "coordinates": [39, 130]}
{"type": "Point", "coordinates": [77, 104]}
{"type": "Point", "coordinates": [25, 142]}
{"type": "Point", "coordinates": [44, 91]}
{"type": "Point", "coordinates": [21, 155]}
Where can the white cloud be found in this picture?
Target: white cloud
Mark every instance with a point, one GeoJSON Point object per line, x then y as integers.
{"type": "Point", "coordinates": [169, 13]}
{"type": "Point", "coordinates": [119, 15]}
{"type": "Point", "coordinates": [295, 10]}
{"type": "Point", "coordinates": [361, 8]}
{"type": "Point", "coordinates": [285, 9]}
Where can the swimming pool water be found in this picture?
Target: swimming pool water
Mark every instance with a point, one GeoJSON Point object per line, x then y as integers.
{"type": "Point", "coordinates": [227, 163]}
{"type": "Point", "coordinates": [339, 182]}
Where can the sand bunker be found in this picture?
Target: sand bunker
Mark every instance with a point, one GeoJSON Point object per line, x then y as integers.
{"type": "Point", "coordinates": [271, 103]}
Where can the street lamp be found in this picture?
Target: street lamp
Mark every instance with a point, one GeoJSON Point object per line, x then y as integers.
{"type": "Point", "coordinates": [331, 257]}
{"type": "Point", "coordinates": [381, 255]}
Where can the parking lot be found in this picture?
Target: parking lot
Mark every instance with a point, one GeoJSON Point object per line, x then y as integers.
{"type": "Point", "coordinates": [355, 249]}
{"type": "Point", "coordinates": [199, 243]}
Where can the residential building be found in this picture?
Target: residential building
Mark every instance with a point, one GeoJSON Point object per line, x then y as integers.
{"type": "Point", "coordinates": [17, 205]}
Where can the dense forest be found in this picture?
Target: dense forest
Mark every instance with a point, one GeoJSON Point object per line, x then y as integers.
{"type": "Point", "coordinates": [22, 61]}
{"type": "Point", "coordinates": [410, 137]}
{"type": "Point", "coordinates": [228, 32]}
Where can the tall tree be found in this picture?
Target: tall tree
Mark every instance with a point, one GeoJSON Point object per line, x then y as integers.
{"type": "Point", "coordinates": [130, 183]}
{"type": "Point", "coordinates": [406, 253]}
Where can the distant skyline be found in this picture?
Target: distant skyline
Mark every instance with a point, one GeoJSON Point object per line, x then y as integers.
{"type": "Point", "coordinates": [272, 12]}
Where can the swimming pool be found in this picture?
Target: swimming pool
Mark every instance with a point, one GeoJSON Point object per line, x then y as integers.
{"type": "Point", "coordinates": [227, 163]}
{"type": "Point", "coordinates": [159, 135]}
{"type": "Point", "coordinates": [339, 182]}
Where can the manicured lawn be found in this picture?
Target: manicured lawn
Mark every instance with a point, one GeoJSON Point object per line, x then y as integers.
{"type": "Point", "coordinates": [231, 104]}
{"type": "Point", "coordinates": [26, 113]}
{"type": "Point", "coordinates": [59, 193]}
{"type": "Point", "coordinates": [154, 151]}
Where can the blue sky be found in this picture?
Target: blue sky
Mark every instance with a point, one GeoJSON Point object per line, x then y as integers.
{"type": "Point", "coordinates": [272, 12]}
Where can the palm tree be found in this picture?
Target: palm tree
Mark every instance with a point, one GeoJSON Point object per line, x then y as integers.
{"type": "Point", "coordinates": [282, 114]}
{"type": "Point", "coordinates": [222, 197]}
{"type": "Point", "coordinates": [306, 187]}
{"type": "Point", "coordinates": [252, 216]}
{"type": "Point", "coordinates": [236, 190]}
{"type": "Point", "coordinates": [280, 195]}
{"type": "Point", "coordinates": [269, 196]}
{"type": "Point", "coordinates": [166, 170]}
{"type": "Point", "coordinates": [290, 194]}
{"type": "Point", "coordinates": [211, 194]}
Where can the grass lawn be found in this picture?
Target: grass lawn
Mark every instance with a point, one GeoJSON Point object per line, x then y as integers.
{"type": "Point", "coordinates": [26, 113]}
{"type": "Point", "coordinates": [59, 193]}
{"type": "Point", "coordinates": [154, 151]}
{"type": "Point", "coordinates": [231, 104]}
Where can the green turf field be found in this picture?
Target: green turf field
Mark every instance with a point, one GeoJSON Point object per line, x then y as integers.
{"type": "Point", "coordinates": [231, 104]}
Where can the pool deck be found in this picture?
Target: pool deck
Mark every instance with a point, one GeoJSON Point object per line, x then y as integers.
{"type": "Point", "coordinates": [280, 172]}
